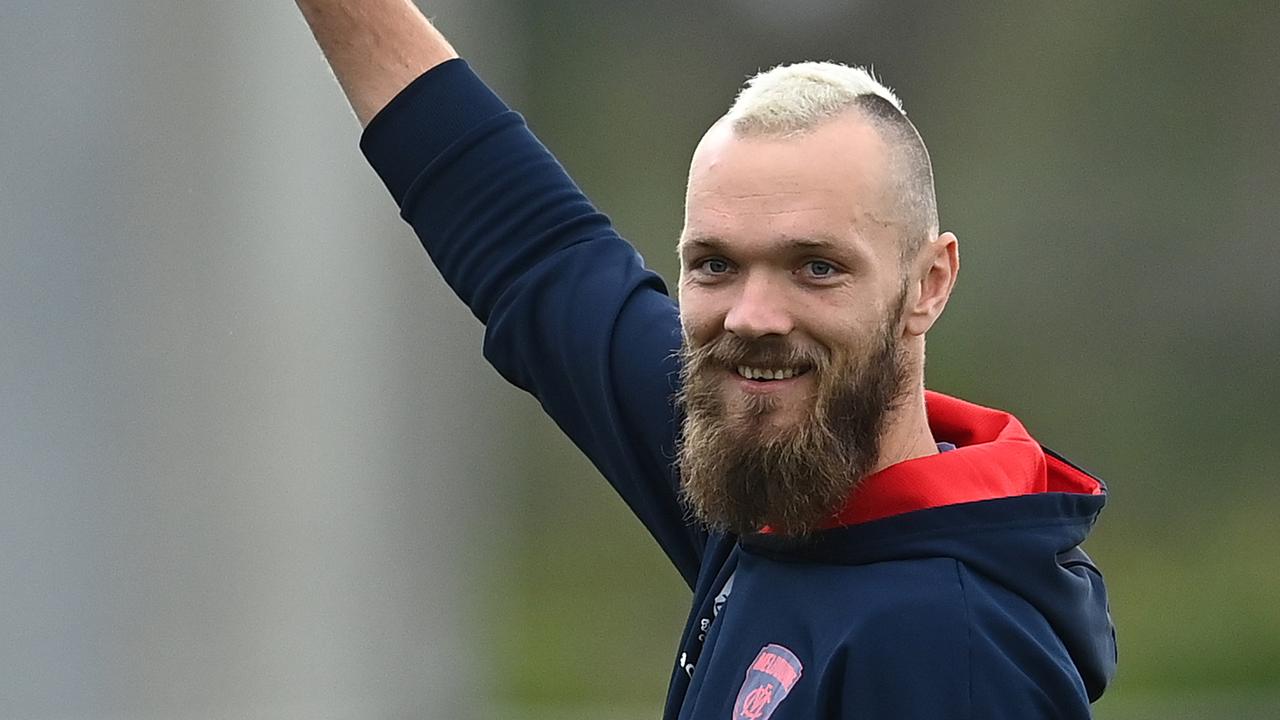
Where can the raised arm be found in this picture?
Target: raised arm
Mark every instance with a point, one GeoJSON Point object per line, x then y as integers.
{"type": "Point", "coordinates": [571, 313]}
{"type": "Point", "coordinates": [375, 47]}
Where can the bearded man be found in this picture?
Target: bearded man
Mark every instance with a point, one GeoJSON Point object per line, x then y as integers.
{"type": "Point", "coordinates": [857, 546]}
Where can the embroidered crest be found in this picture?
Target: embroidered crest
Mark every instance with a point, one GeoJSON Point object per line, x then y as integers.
{"type": "Point", "coordinates": [769, 678]}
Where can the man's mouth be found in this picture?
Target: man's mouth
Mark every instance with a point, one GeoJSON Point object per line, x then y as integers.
{"type": "Point", "coordinates": [768, 374]}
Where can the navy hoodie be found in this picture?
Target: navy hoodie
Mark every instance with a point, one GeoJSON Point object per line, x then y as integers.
{"type": "Point", "coordinates": [950, 586]}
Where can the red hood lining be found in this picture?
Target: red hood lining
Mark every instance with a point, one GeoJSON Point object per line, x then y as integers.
{"type": "Point", "coordinates": [994, 457]}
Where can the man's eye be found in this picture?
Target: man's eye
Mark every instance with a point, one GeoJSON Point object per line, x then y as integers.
{"type": "Point", "coordinates": [715, 266]}
{"type": "Point", "coordinates": [820, 268]}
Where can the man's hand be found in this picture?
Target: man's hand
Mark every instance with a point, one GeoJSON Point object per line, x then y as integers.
{"type": "Point", "coordinates": [375, 47]}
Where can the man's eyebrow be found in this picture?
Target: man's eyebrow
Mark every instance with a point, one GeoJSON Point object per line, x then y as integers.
{"type": "Point", "coordinates": [815, 242]}
{"type": "Point", "coordinates": [701, 243]}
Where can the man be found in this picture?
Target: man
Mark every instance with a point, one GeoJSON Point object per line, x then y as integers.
{"type": "Point", "coordinates": [858, 547]}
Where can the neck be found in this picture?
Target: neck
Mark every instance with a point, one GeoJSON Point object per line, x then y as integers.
{"type": "Point", "coordinates": [907, 434]}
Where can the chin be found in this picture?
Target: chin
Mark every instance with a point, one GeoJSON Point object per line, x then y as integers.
{"type": "Point", "coordinates": [777, 422]}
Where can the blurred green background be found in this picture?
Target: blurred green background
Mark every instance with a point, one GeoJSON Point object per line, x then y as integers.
{"type": "Point", "coordinates": [252, 466]}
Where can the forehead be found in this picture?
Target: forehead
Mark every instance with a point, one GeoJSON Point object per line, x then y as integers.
{"type": "Point", "coordinates": [828, 183]}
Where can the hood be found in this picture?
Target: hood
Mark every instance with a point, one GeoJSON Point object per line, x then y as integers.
{"type": "Point", "coordinates": [1000, 503]}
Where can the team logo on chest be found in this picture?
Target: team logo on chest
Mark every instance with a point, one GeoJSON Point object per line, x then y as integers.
{"type": "Point", "coordinates": [769, 678]}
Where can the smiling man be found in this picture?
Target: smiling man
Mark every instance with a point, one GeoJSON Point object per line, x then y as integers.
{"type": "Point", "coordinates": [810, 227]}
{"type": "Point", "coordinates": [857, 546]}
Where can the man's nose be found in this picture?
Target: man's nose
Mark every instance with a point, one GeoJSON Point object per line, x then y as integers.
{"type": "Point", "coordinates": [758, 311]}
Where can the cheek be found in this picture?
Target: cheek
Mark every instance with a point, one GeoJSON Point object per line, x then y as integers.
{"type": "Point", "coordinates": [697, 328]}
{"type": "Point", "coordinates": [699, 318]}
{"type": "Point", "coordinates": [843, 329]}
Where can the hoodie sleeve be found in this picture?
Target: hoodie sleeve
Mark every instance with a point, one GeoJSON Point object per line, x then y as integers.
{"type": "Point", "coordinates": [571, 313]}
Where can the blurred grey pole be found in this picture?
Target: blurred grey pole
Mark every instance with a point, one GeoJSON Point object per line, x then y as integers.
{"type": "Point", "coordinates": [245, 437]}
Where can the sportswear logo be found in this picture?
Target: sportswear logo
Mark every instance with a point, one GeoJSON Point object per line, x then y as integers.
{"type": "Point", "coordinates": [769, 678]}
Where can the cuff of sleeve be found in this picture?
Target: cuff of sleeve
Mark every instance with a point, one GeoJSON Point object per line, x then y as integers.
{"type": "Point", "coordinates": [424, 119]}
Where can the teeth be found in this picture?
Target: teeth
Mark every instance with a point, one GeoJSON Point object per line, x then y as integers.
{"type": "Point", "coordinates": [766, 373]}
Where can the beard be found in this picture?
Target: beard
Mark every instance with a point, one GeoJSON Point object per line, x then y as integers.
{"type": "Point", "coordinates": [740, 474]}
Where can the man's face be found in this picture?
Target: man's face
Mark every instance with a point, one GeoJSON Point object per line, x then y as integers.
{"type": "Point", "coordinates": [791, 295]}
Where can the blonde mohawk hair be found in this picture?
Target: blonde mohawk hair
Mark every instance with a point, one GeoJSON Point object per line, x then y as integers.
{"type": "Point", "coordinates": [793, 99]}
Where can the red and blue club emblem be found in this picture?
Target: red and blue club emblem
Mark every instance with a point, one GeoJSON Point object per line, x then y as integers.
{"type": "Point", "coordinates": [769, 678]}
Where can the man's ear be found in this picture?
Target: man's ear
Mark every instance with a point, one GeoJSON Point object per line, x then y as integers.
{"type": "Point", "coordinates": [935, 270]}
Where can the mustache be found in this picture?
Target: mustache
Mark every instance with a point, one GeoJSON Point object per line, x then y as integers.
{"type": "Point", "coordinates": [729, 350]}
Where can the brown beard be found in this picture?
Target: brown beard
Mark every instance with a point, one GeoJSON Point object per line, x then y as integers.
{"type": "Point", "coordinates": [740, 475]}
